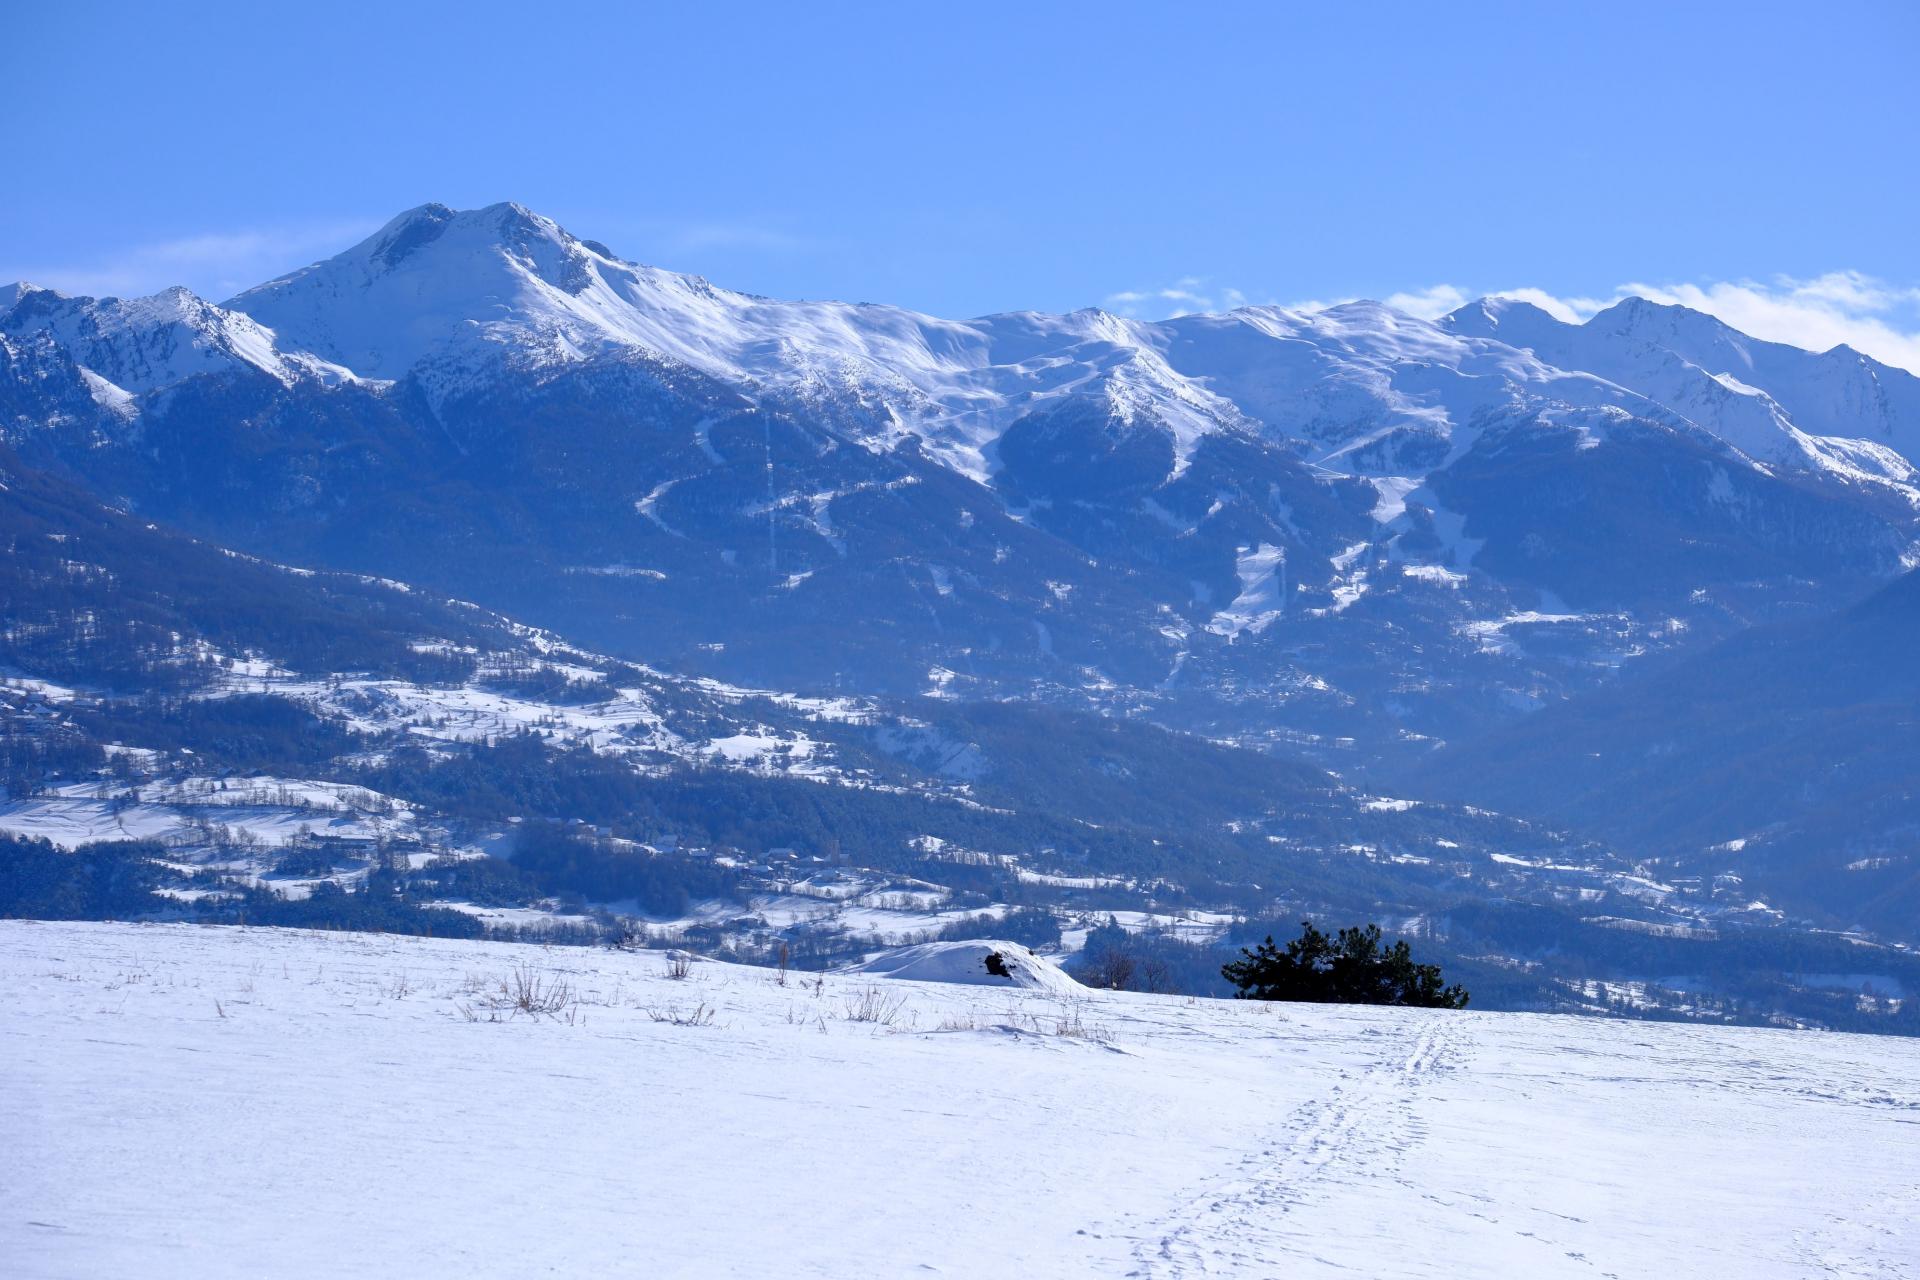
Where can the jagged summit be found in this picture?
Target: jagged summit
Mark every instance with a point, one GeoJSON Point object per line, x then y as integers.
{"type": "Point", "coordinates": [11, 294]}
{"type": "Point", "coordinates": [1483, 316]}
{"type": "Point", "coordinates": [509, 223]}
{"type": "Point", "coordinates": [409, 231]}
{"type": "Point", "coordinates": [460, 288]}
{"type": "Point", "coordinates": [140, 345]}
{"type": "Point", "coordinates": [1669, 323]}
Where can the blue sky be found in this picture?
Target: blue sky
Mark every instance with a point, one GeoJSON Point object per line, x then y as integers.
{"type": "Point", "coordinates": [966, 159]}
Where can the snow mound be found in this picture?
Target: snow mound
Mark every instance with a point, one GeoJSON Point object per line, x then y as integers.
{"type": "Point", "coordinates": [983, 962]}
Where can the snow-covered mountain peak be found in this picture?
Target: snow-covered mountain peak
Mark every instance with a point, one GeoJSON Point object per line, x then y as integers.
{"type": "Point", "coordinates": [407, 232]}
{"type": "Point", "coordinates": [456, 287]}
{"type": "Point", "coordinates": [1769, 399]}
{"type": "Point", "coordinates": [1483, 316]}
{"type": "Point", "coordinates": [1365, 314]}
{"type": "Point", "coordinates": [1635, 309]}
{"type": "Point", "coordinates": [139, 345]}
{"type": "Point", "coordinates": [1673, 326]}
{"type": "Point", "coordinates": [11, 294]}
{"type": "Point", "coordinates": [507, 223]}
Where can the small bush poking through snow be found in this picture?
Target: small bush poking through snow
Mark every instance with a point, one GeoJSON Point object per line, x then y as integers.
{"type": "Point", "coordinates": [525, 990]}
{"type": "Point", "coordinates": [1071, 1022]}
{"type": "Point", "coordinates": [871, 1004]}
{"type": "Point", "coordinates": [701, 1015]}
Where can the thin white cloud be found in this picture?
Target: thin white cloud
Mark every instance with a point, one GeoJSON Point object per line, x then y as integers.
{"type": "Point", "coordinates": [1186, 296]}
{"type": "Point", "coordinates": [214, 264]}
{"type": "Point", "coordinates": [1430, 303]}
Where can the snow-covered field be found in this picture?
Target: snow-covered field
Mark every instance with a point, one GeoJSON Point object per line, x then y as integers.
{"type": "Point", "coordinates": [183, 1101]}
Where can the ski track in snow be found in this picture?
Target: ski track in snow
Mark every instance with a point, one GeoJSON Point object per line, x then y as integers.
{"type": "Point", "coordinates": [212, 1102]}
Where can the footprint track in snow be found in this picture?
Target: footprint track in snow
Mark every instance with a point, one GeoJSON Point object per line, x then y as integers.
{"type": "Point", "coordinates": [1360, 1129]}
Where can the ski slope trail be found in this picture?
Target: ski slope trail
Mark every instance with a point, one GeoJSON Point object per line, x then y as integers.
{"type": "Point", "coordinates": [179, 1101]}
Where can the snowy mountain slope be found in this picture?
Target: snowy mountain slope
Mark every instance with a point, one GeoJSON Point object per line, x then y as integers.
{"type": "Point", "coordinates": [1835, 410]}
{"type": "Point", "coordinates": [134, 346]}
{"type": "Point", "coordinates": [216, 1102]}
{"type": "Point", "coordinates": [42, 389]}
{"type": "Point", "coordinates": [1350, 379]}
{"type": "Point", "coordinates": [1838, 392]}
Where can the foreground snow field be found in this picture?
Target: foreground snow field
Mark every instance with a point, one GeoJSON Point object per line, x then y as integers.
{"type": "Point", "coordinates": [183, 1101]}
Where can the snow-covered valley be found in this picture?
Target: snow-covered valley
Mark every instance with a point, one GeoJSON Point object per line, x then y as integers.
{"type": "Point", "coordinates": [234, 1102]}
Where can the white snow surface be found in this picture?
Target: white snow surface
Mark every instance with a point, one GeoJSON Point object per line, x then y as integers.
{"type": "Point", "coordinates": [210, 1102]}
{"type": "Point", "coordinates": [1262, 596]}
{"type": "Point", "coordinates": [982, 963]}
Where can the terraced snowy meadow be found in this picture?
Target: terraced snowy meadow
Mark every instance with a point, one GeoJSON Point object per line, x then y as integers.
{"type": "Point", "coordinates": [191, 1101]}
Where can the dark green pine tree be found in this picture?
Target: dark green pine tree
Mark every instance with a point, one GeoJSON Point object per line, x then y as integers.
{"type": "Point", "coordinates": [1352, 968]}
